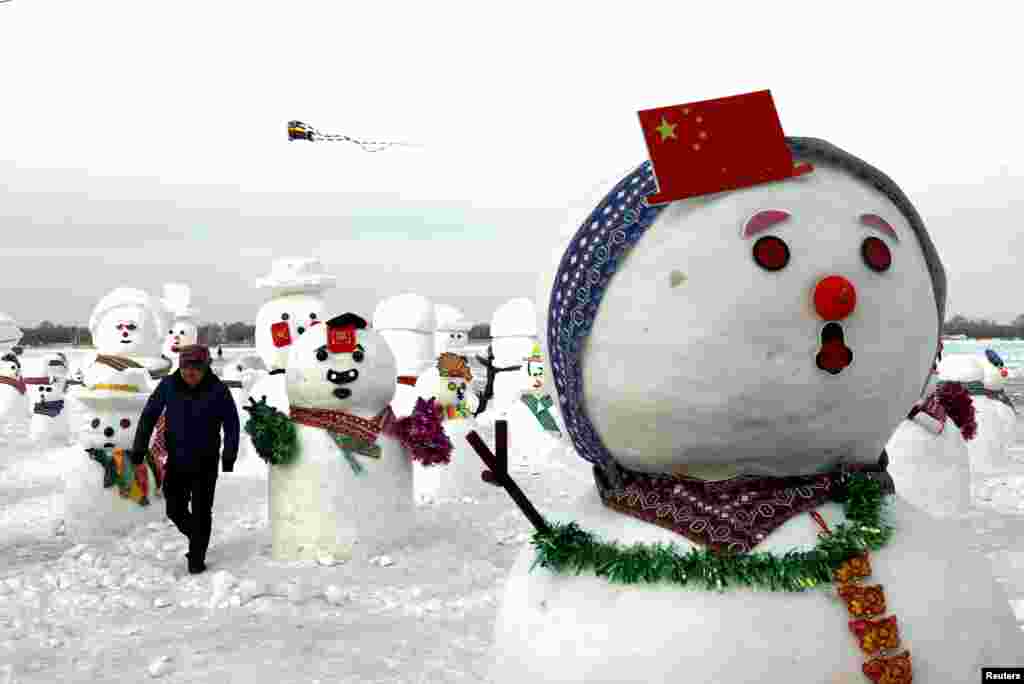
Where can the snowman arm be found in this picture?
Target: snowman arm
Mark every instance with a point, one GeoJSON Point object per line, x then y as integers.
{"type": "Point", "coordinates": [155, 406]}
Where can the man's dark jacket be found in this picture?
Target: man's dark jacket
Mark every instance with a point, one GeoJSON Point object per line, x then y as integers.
{"type": "Point", "coordinates": [195, 417]}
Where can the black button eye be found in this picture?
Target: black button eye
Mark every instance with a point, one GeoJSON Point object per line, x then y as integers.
{"type": "Point", "coordinates": [358, 356]}
{"type": "Point", "coordinates": [181, 332]}
{"type": "Point", "coordinates": [170, 332]}
{"type": "Point", "coordinates": [95, 423]}
{"type": "Point", "coordinates": [132, 326]}
{"type": "Point", "coordinates": [321, 355]}
{"type": "Point", "coordinates": [300, 330]}
{"type": "Point", "coordinates": [771, 253]}
{"type": "Point", "coordinates": [312, 316]}
{"type": "Point", "coordinates": [49, 389]}
{"type": "Point", "coordinates": [285, 317]}
{"type": "Point", "coordinates": [876, 254]}
{"type": "Point", "coordinates": [239, 368]}
{"type": "Point", "coordinates": [125, 423]}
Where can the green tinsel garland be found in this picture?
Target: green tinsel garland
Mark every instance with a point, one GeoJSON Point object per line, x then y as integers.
{"type": "Point", "coordinates": [273, 433]}
{"type": "Point", "coordinates": [568, 547]}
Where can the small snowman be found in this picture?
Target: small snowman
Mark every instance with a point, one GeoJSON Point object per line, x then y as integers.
{"type": "Point", "coordinates": [408, 321]}
{"type": "Point", "coordinates": [984, 377]}
{"type": "Point", "coordinates": [534, 430]}
{"type": "Point", "coordinates": [184, 330]}
{"type": "Point", "coordinates": [13, 390]}
{"type": "Point", "coordinates": [457, 404]}
{"type": "Point", "coordinates": [103, 491]}
{"type": "Point", "coordinates": [46, 383]}
{"type": "Point", "coordinates": [513, 337]}
{"type": "Point", "coordinates": [295, 289]}
{"type": "Point", "coordinates": [346, 477]}
{"type": "Point", "coordinates": [126, 328]}
{"type": "Point", "coordinates": [248, 463]}
{"type": "Point", "coordinates": [811, 277]}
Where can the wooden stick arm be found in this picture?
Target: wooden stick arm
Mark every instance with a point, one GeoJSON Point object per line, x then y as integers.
{"type": "Point", "coordinates": [497, 465]}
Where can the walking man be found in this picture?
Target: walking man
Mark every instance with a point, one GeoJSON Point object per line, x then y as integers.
{"type": "Point", "coordinates": [196, 405]}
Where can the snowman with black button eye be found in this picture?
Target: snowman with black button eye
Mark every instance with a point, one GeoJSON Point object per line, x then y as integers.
{"type": "Point", "coordinates": [109, 411]}
{"type": "Point", "coordinates": [985, 376]}
{"type": "Point", "coordinates": [183, 330]}
{"type": "Point", "coordinates": [296, 288]}
{"type": "Point", "coordinates": [351, 483]}
{"type": "Point", "coordinates": [823, 296]}
{"type": "Point", "coordinates": [46, 382]}
{"type": "Point", "coordinates": [13, 391]}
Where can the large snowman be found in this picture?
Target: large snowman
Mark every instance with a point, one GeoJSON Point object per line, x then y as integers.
{"type": "Point", "coordinates": [985, 377]}
{"type": "Point", "coordinates": [127, 327]}
{"type": "Point", "coordinates": [103, 492]}
{"type": "Point", "coordinates": [351, 482]}
{"type": "Point", "coordinates": [408, 321]}
{"type": "Point", "coordinates": [822, 295]}
{"type": "Point", "coordinates": [295, 289]}
{"type": "Point", "coordinates": [46, 382]}
{"type": "Point", "coordinates": [184, 329]}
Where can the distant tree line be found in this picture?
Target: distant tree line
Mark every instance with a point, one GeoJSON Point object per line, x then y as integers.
{"type": "Point", "coordinates": [984, 327]}
{"type": "Point", "coordinates": [48, 333]}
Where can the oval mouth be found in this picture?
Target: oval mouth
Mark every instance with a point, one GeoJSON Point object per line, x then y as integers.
{"type": "Point", "coordinates": [342, 393]}
{"type": "Point", "coordinates": [109, 445]}
{"type": "Point", "coordinates": [834, 356]}
{"type": "Point", "coordinates": [126, 341]}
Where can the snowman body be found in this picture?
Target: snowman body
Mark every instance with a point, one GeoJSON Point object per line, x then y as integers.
{"type": "Point", "coordinates": [461, 476]}
{"type": "Point", "coordinates": [931, 471]}
{"type": "Point", "coordinates": [248, 463]}
{"type": "Point", "coordinates": [989, 451]}
{"type": "Point", "coordinates": [407, 322]}
{"type": "Point", "coordinates": [46, 394]}
{"type": "Point", "coordinates": [109, 419]}
{"type": "Point", "coordinates": [816, 379]}
{"type": "Point", "coordinates": [319, 506]}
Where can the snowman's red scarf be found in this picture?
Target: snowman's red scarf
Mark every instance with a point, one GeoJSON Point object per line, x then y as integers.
{"type": "Point", "coordinates": [17, 384]}
{"type": "Point", "coordinates": [345, 423]}
{"type": "Point", "coordinates": [730, 515]}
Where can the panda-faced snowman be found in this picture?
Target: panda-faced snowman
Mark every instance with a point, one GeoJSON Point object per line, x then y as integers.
{"type": "Point", "coordinates": [719, 347]}
{"type": "Point", "coordinates": [350, 485]}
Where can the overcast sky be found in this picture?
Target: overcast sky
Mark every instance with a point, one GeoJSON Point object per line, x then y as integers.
{"type": "Point", "coordinates": [145, 142]}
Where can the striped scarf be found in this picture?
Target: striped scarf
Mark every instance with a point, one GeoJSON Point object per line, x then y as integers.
{"type": "Point", "coordinates": [50, 409]}
{"type": "Point", "coordinates": [117, 362]}
{"type": "Point", "coordinates": [16, 383]}
{"type": "Point", "coordinates": [352, 434]}
{"type": "Point", "coordinates": [158, 447]}
{"type": "Point", "coordinates": [132, 481]}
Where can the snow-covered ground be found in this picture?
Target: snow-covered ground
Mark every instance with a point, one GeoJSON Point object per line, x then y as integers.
{"type": "Point", "coordinates": [124, 609]}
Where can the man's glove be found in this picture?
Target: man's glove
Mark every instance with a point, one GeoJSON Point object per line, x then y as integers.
{"type": "Point", "coordinates": [138, 457]}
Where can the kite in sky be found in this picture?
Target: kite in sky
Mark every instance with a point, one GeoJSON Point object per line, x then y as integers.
{"type": "Point", "coordinates": [298, 130]}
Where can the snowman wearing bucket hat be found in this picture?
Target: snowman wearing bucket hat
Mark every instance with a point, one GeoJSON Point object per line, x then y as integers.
{"type": "Point", "coordinates": [741, 527]}
{"type": "Point", "coordinates": [126, 328]}
{"type": "Point", "coordinates": [103, 491]}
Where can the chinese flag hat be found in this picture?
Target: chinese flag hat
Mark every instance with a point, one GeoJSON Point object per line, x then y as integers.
{"type": "Point", "coordinates": [717, 145]}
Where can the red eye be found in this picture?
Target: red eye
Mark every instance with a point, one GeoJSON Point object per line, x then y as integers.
{"type": "Point", "coordinates": [876, 254]}
{"type": "Point", "coordinates": [771, 253]}
{"type": "Point", "coordinates": [125, 423]}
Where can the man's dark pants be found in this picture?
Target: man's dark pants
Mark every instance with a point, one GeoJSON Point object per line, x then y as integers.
{"type": "Point", "coordinates": [179, 488]}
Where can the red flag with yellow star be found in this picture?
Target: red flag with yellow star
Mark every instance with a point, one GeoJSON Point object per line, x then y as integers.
{"type": "Point", "coordinates": [716, 145]}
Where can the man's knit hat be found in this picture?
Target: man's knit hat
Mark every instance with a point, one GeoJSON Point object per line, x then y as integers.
{"type": "Point", "coordinates": [194, 355]}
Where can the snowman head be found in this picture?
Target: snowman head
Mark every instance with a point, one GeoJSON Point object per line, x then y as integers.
{"type": "Point", "coordinates": [10, 367]}
{"type": "Point", "coordinates": [182, 333]}
{"type": "Point", "coordinates": [453, 337]}
{"type": "Point", "coordinates": [234, 370]}
{"type": "Point", "coordinates": [408, 321]}
{"type": "Point", "coordinates": [126, 321]}
{"type": "Point", "coordinates": [341, 365]}
{"type": "Point", "coordinates": [455, 375]}
{"type": "Point", "coordinates": [42, 383]}
{"type": "Point", "coordinates": [108, 426]}
{"type": "Point", "coordinates": [781, 328]}
{"type": "Point", "coordinates": [995, 371]}
{"type": "Point", "coordinates": [281, 322]}
{"type": "Point", "coordinates": [534, 367]}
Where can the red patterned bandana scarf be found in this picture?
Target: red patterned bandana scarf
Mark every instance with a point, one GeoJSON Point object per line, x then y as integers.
{"type": "Point", "coordinates": [730, 515]}
{"type": "Point", "coordinates": [338, 422]}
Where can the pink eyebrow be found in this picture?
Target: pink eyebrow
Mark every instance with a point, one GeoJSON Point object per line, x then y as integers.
{"type": "Point", "coordinates": [878, 223]}
{"type": "Point", "coordinates": [763, 220]}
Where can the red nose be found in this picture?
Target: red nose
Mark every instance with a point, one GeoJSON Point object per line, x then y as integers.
{"type": "Point", "coordinates": [834, 298]}
{"type": "Point", "coordinates": [1005, 373]}
{"type": "Point", "coordinates": [124, 334]}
